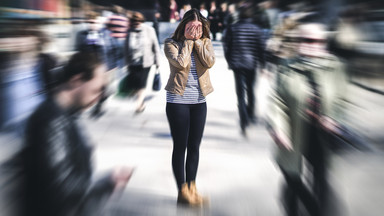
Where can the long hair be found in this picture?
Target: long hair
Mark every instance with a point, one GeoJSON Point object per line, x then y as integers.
{"type": "Point", "coordinates": [191, 15]}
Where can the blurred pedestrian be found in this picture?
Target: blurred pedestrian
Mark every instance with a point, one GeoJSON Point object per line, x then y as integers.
{"type": "Point", "coordinates": [174, 12]}
{"type": "Point", "coordinates": [142, 52]}
{"type": "Point", "coordinates": [118, 26]}
{"type": "Point", "coordinates": [190, 55]}
{"type": "Point", "coordinates": [203, 11]}
{"type": "Point", "coordinates": [222, 15]}
{"type": "Point", "coordinates": [244, 51]}
{"type": "Point", "coordinates": [98, 39]}
{"type": "Point", "coordinates": [184, 9]}
{"type": "Point", "coordinates": [214, 19]}
{"type": "Point", "coordinates": [309, 106]}
{"type": "Point", "coordinates": [231, 17]}
{"type": "Point", "coordinates": [56, 159]}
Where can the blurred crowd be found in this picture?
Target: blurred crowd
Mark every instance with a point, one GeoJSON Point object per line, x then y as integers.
{"type": "Point", "coordinates": [322, 61]}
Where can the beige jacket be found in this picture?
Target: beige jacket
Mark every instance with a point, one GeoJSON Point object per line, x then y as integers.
{"type": "Point", "coordinates": [179, 57]}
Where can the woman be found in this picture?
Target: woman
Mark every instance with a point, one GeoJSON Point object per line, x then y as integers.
{"type": "Point", "coordinates": [142, 51]}
{"type": "Point", "coordinates": [190, 55]}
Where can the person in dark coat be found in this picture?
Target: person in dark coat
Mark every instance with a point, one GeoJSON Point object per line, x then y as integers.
{"type": "Point", "coordinates": [244, 52]}
{"type": "Point", "coordinates": [56, 158]}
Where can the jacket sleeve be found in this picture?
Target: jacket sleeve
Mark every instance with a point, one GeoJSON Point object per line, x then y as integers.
{"type": "Point", "coordinates": [205, 52]}
{"type": "Point", "coordinates": [227, 42]}
{"type": "Point", "coordinates": [179, 59]}
{"type": "Point", "coordinates": [155, 47]}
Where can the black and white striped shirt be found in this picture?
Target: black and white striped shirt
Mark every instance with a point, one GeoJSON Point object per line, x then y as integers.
{"type": "Point", "coordinates": [192, 93]}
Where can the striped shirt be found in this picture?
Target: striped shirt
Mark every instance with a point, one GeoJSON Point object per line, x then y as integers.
{"type": "Point", "coordinates": [192, 93]}
{"type": "Point", "coordinates": [118, 25]}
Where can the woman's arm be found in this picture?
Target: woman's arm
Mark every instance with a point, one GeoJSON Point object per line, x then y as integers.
{"type": "Point", "coordinates": [179, 59]}
{"type": "Point", "coordinates": [205, 52]}
{"type": "Point", "coordinates": [155, 47]}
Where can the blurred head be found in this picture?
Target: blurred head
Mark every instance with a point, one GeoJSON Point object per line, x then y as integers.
{"type": "Point", "coordinates": [313, 40]}
{"type": "Point", "coordinates": [187, 7]}
{"type": "Point", "coordinates": [83, 76]}
{"type": "Point", "coordinates": [232, 8]}
{"type": "Point", "coordinates": [246, 11]}
{"type": "Point", "coordinates": [136, 19]}
{"type": "Point", "coordinates": [224, 6]}
{"type": "Point", "coordinates": [93, 21]}
{"type": "Point", "coordinates": [192, 16]}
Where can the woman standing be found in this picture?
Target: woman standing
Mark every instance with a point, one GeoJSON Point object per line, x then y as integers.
{"type": "Point", "coordinates": [190, 55]}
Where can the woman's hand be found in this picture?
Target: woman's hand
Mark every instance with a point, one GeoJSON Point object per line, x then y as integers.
{"type": "Point", "coordinates": [188, 33]}
{"type": "Point", "coordinates": [198, 32]}
{"type": "Point", "coordinates": [193, 31]}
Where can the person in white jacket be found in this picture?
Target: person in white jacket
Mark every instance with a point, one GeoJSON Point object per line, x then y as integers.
{"type": "Point", "coordinates": [142, 51]}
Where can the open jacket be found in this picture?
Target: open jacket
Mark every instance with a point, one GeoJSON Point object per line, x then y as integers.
{"type": "Point", "coordinates": [57, 165]}
{"type": "Point", "coordinates": [290, 102]}
{"type": "Point", "coordinates": [179, 57]}
{"type": "Point", "coordinates": [151, 49]}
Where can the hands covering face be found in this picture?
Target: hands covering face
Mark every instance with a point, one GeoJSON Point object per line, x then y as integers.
{"type": "Point", "coordinates": [193, 30]}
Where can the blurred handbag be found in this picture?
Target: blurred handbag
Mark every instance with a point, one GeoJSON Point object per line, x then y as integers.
{"type": "Point", "coordinates": [156, 86]}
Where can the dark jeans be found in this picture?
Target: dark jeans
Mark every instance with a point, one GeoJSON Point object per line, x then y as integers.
{"type": "Point", "coordinates": [186, 122]}
{"type": "Point", "coordinates": [245, 82]}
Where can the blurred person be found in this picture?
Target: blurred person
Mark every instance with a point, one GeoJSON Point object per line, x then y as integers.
{"type": "Point", "coordinates": [118, 26]}
{"type": "Point", "coordinates": [184, 9]}
{"type": "Point", "coordinates": [174, 13]}
{"type": "Point", "coordinates": [203, 11]}
{"type": "Point", "coordinates": [190, 55]}
{"type": "Point", "coordinates": [232, 16]}
{"type": "Point", "coordinates": [156, 18]}
{"type": "Point", "coordinates": [99, 39]}
{"type": "Point", "coordinates": [272, 11]}
{"type": "Point", "coordinates": [25, 75]}
{"type": "Point", "coordinates": [244, 51]}
{"type": "Point", "coordinates": [222, 15]}
{"type": "Point", "coordinates": [214, 19]}
{"type": "Point", "coordinates": [309, 109]}
{"type": "Point", "coordinates": [142, 52]}
{"type": "Point", "coordinates": [56, 159]}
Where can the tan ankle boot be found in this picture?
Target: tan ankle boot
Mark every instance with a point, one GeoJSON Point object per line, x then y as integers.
{"type": "Point", "coordinates": [195, 195]}
{"type": "Point", "coordinates": [185, 197]}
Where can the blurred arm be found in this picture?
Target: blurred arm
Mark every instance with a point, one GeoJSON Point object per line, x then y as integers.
{"type": "Point", "coordinates": [155, 47]}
